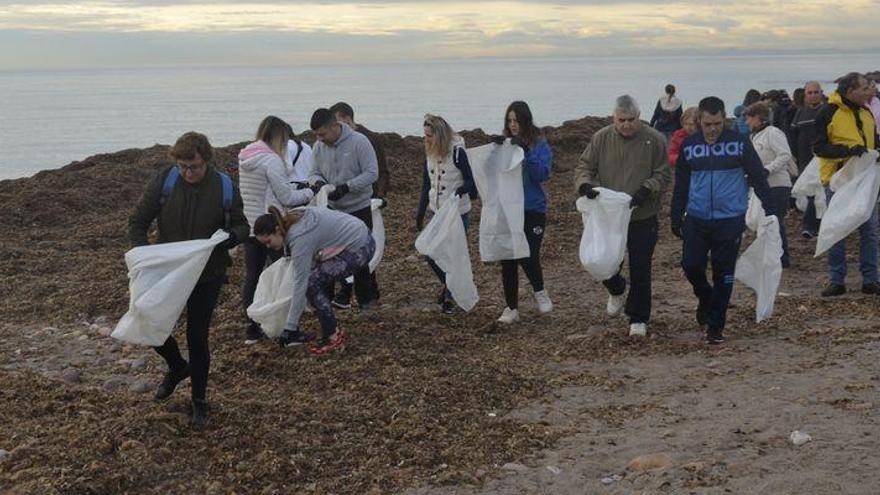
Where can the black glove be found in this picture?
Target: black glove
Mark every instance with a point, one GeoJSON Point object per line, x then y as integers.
{"type": "Point", "coordinates": [588, 190]}
{"type": "Point", "coordinates": [340, 191]}
{"type": "Point", "coordinates": [676, 229]}
{"type": "Point", "coordinates": [857, 150]}
{"type": "Point", "coordinates": [383, 204]}
{"type": "Point", "coordinates": [639, 198]}
{"type": "Point", "coordinates": [461, 191]}
{"type": "Point", "coordinates": [300, 185]}
{"type": "Point", "coordinates": [518, 141]}
{"type": "Point", "coordinates": [231, 242]}
{"type": "Point", "coordinates": [317, 186]}
{"type": "Point", "coordinates": [497, 139]}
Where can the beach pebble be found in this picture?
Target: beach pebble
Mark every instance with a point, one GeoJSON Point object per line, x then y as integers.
{"type": "Point", "coordinates": [88, 352]}
{"type": "Point", "coordinates": [138, 363]}
{"type": "Point", "coordinates": [50, 330]}
{"type": "Point", "coordinates": [515, 467]}
{"type": "Point", "coordinates": [799, 438]}
{"type": "Point", "coordinates": [105, 331]}
{"type": "Point", "coordinates": [554, 469]}
{"type": "Point", "coordinates": [3, 455]}
{"type": "Point", "coordinates": [611, 479]}
{"type": "Point", "coordinates": [83, 337]}
{"type": "Point", "coordinates": [141, 387]}
{"type": "Point", "coordinates": [71, 375]}
{"type": "Point", "coordinates": [115, 383]}
{"type": "Point", "coordinates": [650, 461]}
{"type": "Point", "coordinates": [101, 320]}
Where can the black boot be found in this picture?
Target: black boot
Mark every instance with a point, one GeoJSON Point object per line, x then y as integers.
{"type": "Point", "coordinates": [200, 414]}
{"type": "Point", "coordinates": [170, 381]}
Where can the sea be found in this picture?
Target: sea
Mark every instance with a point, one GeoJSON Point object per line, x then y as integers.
{"type": "Point", "coordinates": [51, 118]}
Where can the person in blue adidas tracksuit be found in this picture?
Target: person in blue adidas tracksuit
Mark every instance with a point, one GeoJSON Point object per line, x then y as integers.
{"type": "Point", "coordinates": [709, 201]}
{"type": "Point", "coordinates": [191, 200]}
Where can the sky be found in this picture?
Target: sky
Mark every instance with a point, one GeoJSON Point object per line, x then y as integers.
{"type": "Point", "coordinates": [51, 34]}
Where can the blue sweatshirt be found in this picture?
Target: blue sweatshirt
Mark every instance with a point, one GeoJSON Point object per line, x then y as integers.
{"type": "Point", "coordinates": [712, 180]}
{"type": "Point", "coordinates": [536, 170]}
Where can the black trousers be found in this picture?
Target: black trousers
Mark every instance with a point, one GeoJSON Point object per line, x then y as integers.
{"type": "Point", "coordinates": [255, 256]}
{"type": "Point", "coordinates": [199, 310]}
{"type": "Point", "coordinates": [533, 224]}
{"type": "Point", "coordinates": [640, 242]}
{"type": "Point", "coordinates": [366, 289]}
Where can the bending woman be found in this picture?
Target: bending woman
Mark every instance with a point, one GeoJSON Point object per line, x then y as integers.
{"type": "Point", "coordinates": [327, 246]}
{"type": "Point", "coordinates": [447, 172]}
{"type": "Point", "coordinates": [520, 128]}
{"type": "Point", "coordinates": [266, 178]}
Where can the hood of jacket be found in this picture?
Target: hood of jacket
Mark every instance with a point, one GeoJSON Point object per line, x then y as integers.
{"type": "Point", "coordinates": [669, 104]}
{"type": "Point", "coordinates": [254, 155]}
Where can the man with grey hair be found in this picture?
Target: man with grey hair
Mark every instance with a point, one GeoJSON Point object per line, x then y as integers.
{"type": "Point", "coordinates": [630, 157]}
{"type": "Point", "coordinates": [801, 135]}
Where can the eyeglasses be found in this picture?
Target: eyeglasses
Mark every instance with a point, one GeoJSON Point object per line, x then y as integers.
{"type": "Point", "coordinates": [190, 168]}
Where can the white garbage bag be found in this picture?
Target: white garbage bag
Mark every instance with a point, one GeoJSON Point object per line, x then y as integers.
{"type": "Point", "coordinates": [320, 200]}
{"type": "Point", "coordinates": [606, 225]}
{"type": "Point", "coordinates": [497, 173]}
{"type": "Point", "coordinates": [808, 184]}
{"type": "Point", "coordinates": [755, 214]}
{"type": "Point", "coordinates": [853, 202]}
{"type": "Point", "coordinates": [161, 278]}
{"type": "Point", "coordinates": [273, 297]}
{"type": "Point", "coordinates": [760, 266]}
{"type": "Point", "coordinates": [378, 233]}
{"type": "Point", "coordinates": [444, 240]}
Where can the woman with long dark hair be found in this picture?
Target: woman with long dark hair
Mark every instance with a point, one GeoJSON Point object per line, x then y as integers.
{"type": "Point", "coordinates": [667, 113]}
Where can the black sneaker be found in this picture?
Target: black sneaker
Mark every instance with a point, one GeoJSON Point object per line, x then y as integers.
{"type": "Point", "coordinates": [200, 414]}
{"type": "Point", "coordinates": [872, 288]}
{"type": "Point", "coordinates": [714, 336]}
{"type": "Point", "coordinates": [252, 335]}
{"type": "Point", "coordinates": [170, 382]}
{"type": "Point", "coordinates": [448, 306]}
{"type": "Point", "coordinates": [832, 290]}
{"type": "Point", "coordinates": [703, 311]}
{"type": "Point", "coordinates": [808, 234]}
{"type": "Point", "coordinates": [290, 338]}
{"type": "Point", "coordinates": [342, 301]}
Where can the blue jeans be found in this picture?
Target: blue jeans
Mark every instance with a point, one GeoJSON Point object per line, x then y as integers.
{"type": "Point", "coordinates": [867, 251]}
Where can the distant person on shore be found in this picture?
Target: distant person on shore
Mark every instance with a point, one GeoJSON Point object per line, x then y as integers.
{"type": "Point", "coordinates": [520, 128]}
{"type": "Point", "coordinates": [802, 134]}
{"type": "Point", "coordinates": [326, 246]}
{"type": "Point", "coordinates": [667, 113]}
{"type": "Point", "coordinates": [739, 125]}
{"type": "Point", "coordinates": [712, 178]}
{"type": "Point", "coordinates": [688, 127]}
{"type": "Point", "coordinates": [447, 173]}
{"type": "Point", "coordinates": [845, 128]}
{"type": "Point", "coordinates": [345, 114]}
{"type": "Point", "coordinates": [192, 200]}
{"type": "Point", "coordinates": [629, 157]}
{"type": "Point", "coordinates": [346, 159]}
{"type": "Point", "coordinates": [266, 178]}
{"type": "Point", "coordinates": [772, 147]}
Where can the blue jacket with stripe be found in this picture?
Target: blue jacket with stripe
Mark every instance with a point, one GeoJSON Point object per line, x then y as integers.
{"type": "Point", "coordinates": [712, 180]}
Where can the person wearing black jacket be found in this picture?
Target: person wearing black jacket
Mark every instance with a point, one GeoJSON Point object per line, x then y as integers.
{"type": "Point", "coordinates": [802, 134]}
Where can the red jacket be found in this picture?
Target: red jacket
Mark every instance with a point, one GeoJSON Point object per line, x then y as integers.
{"type": "Point", "coordinates": [675, 145]}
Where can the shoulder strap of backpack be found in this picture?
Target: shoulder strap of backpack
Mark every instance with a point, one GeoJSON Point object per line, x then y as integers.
{"type": "Point", "coordinates": [168, 185]}
{"type": "Point", "coordinates": [299, 149]}
{"type": "Point", "coordinates": [227, 196]}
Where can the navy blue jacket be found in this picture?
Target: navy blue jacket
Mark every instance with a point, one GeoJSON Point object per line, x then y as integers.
{"type": "Point", "coordinates": [712, 180]}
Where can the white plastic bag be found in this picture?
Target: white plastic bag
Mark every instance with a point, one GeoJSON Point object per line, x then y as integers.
{"type": "Point", "coordinates": [497, 173]}
{"type": "Point", "coordinates": [760, 266]}
{"type": "Point", "coordinates": [444, 240]}
{"type": "Point", "coordinates": [320, 200]}
{"type": "Point", "coordinates": [808, 184]}
{"type": "Point", "coordinates": [378, 233]}
{"type": "Point", "coordinates": [606, 226]}
{"type": "Point", "coordinates": [853, 202]}
{"type": "Point", "coordinates": [161, 278]}
{"type": "Point", "coordinates": [273, 297]}
{"type": "Point", "coordinates": [755, 214]}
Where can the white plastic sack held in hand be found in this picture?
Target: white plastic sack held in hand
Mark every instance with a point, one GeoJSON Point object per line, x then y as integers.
{"type": "Point", "coordinates": [161, 278]}
{"type": "Point", "coordinates": [444, 241]}
{"type": "Point", "coordinates": [273, 297]}
{"type": "Point", "coordinates": [853, 202]}
{"type": "Point", "coordinates": [760, 266]}
{"type": "Point", "coordinates": [378, 233]}
{"type": "Point", "coordinates": [808, 184]}
{"type": "Point", "coordinates": [755, 214]}
{"type": "Point", "coordinates": [320, 200]}
{"type": "Point", "coordinates": [606, 224]}
{"type": "Point", "coordinates": [497, 173]}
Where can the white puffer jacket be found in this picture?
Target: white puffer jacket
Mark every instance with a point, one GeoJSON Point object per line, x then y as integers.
{"type": "Point", "coordinates": [772, 146]}
{"type": "Point", "coordinates": [265, 180]}
{"type": "Point", "coordinates": [446, 178]}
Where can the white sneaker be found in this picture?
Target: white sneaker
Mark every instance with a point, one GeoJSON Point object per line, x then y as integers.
{"type": "Point", "coordinates": [545, 305]}
{"type": "Point", "coordinates": [509, 316]}
{"type": "Point", "coordinates": [637, 330]}
{"type": "Point", "coordinates": [615, 304]}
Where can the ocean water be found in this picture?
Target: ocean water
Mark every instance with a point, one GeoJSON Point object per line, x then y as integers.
{"type": "Point", "coordinates": [51, 118]}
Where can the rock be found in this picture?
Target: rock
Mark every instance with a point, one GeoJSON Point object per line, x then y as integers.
{"type": "Point", "coordinates": [71, 375]}
{"type": "Point", "coordinates": [88, 352]}
{"type": "Point", "coordinates": [141, 387]}
{"type": "Point", "coordinates": [607, 481]}
{"type": "Point", "coordinates": [554, 469]}
{"type": "Point", "coordinates": [515, 467]}
{"type": "Point", "coordinates": [659, 460]}
{"type": "Point", "coordinates": [3, 455]}
{"type": "Point", "coordinates": [101, 320]}
{"type": "Point", "coordinates": [83, 337]}
{"type": "Point", "coordinates": [138, 363]}
{"type": "Point", "coordinates": [799, 438]}
{"type": "Point", "coordinates": [94, 327]}
{"type": "Point", "coordinates": [105, 331]}
{"type": "Point", "coordinates": [131, 445]}
{"type": "Point", "coordinates": [115, 383]}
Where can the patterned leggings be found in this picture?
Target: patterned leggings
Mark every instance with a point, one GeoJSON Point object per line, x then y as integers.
{"type": "Point", "coordinates": [328, 272]}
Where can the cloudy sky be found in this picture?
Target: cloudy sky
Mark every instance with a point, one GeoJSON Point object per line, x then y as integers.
{"type": "Point", "coordinates": [109, 33]}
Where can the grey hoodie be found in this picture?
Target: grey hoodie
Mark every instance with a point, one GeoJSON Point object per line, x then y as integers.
{"type": "Point", "coordinates": [318, 234]}
{"type": "Point", "coordinates": [351, 160]}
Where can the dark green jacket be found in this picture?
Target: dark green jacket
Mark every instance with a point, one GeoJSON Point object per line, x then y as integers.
{"type": "Point", "coordinates": [190, 212]}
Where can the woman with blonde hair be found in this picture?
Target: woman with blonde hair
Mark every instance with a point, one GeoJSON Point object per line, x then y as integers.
{"type": "Point", "coordinates": [326, 246]}
{"type": "Point", "coordinates": [265, 179]}
{"type": "Point", "coordinates": [447, 172]}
